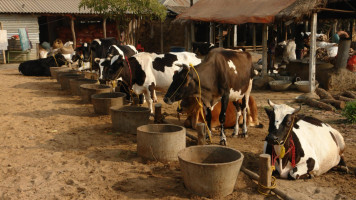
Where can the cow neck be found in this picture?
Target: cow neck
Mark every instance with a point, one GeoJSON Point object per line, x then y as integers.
{"type": "Point", "coordinates": [128, 73]}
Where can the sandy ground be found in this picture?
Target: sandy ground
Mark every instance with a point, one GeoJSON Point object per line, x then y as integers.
{"type": "Point", "coordinates": [54, 147]}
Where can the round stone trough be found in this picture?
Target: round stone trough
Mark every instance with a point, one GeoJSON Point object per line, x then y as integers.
{"type": "Point", "coordinates": [65, 78]}
{"type": "Point", "coordinates": [75, 84]}
{"type": "Point", "coordinates": [57, 72]}
{"type": "Point", "coordinates": [53, 71]}
{"type": "Point", "coordinates": [63, 72]}
{"type": "Point", "coordinates": [103, 101]}
{"type": "Point", "coordinates": [126, 119]}
{"type": "Point", "coordinates": [86, 90]}
{"type": "Point", "coordinates": [210, 170]}
{"type": "Point", "coordinates": [160, 142]}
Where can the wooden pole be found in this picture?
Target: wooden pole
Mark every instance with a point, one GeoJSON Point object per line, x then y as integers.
{"type": "Point", "coordinates": [228, 37]}
{"type": "Point", "coordinates": [201, 133]}
{"type": "Point", "coordinates": [161, 37]}
{"type": "Point", "coordinates": [186, 40]}
{"type": "Point", "coordinates": [158, 117]}
{"type": "Point", "coordinates": [221, 36]}
{"type": "Point", "coordinates": [312, 53]}
{"type": "Point", "coordinates": [256, 177]}
{"type": "Point", "coordinates": [73, 32]}
{"type": "Point", "coordinates": [265, 173]}
{"type": "Point", "coordinates": [104, 27]}
{"type": "Point", "coordinates": [235, 35]}
{"type": "Point", "coordinates": [254, 37]}
{"type": "Point", "coordinates": [211, 33]}
{"type": "Point", "coordinates": [3, 51]}
{"type": "Point", "coordinates": [264, 50]}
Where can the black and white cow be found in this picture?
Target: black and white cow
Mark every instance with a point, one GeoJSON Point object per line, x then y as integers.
{"type": "Point", "coordinates": [96, 50]}
{"type": "Point", "coordinates": [40, 67]}
{"type": "Point", "coordinates": [224, 75]}
{"type": "Point", "coordinates": [301, 146]}
{"type": "Point", "coordinates": [145, 72]}
{"type": "Point", "coordinates": [116, 53]}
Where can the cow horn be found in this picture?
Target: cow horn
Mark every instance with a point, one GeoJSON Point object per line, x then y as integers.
{"type": "Point", "coordinates": [297, 110]}
{"type": "Point", "coordinates": [270, 103]}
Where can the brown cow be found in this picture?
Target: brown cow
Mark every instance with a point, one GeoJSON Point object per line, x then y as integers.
{"type": "Point", "coordinates": [194, 117]}
{"type": "Point", "coordinates": [224, 75]}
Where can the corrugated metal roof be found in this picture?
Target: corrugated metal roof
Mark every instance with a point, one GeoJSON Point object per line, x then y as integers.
{"type": "Point", "coordinates": [42, 6]}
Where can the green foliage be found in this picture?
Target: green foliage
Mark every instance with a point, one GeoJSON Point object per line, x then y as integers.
{"type": "Point", "coordinates": [350, 111]}
{"type": "Point", "coordinates": [118, 9]}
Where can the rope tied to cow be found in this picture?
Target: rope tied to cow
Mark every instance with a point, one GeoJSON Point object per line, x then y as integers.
{"type": "Point", "coordinates": [55, 60]}
{"type": "Point", "coordinates": [200, 103]}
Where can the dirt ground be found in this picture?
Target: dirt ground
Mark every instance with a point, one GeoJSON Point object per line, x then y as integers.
{"type": "Point", "coordinates": [54, 147]}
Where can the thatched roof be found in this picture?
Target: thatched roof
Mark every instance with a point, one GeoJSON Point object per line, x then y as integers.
{"type": "Point", "coordinates": [300, 9]}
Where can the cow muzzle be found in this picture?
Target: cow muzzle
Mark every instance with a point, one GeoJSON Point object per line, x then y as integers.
{"type": "Point", "coordinates": [272, 139]}
{"type": "Point", "coordinates": [167, 101]}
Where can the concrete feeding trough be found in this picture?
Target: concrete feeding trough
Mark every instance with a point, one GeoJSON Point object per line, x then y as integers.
{"type": "Point", "coordinates": [103, 101]}
{"type": "Point", "coordinates": [64, 80]}
{"type": "Point", "coordinates": [126, 119]}
{"type": "Point", "coordinates": [64, 70]}
{"type": "Point", "coordinates": [160, 142]}
{"type": "Point", "coordinates": [76, 83]}
{"type": "Point", "coordinates": [86, 90]}
{"type": "Point", "coordinates": [210, 170]}
{"type": "Point", "coordinates": [53, 71]}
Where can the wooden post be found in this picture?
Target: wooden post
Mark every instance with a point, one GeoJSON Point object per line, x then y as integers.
{"type": "Point", "coordinates": [228, 37]}
{"type": "Point", "coordinates": [162, 37]}
{"type": "Point", "coordinates": [201, 133]}
{"type": "Point", "coordinates": [235, 35]}
{"type": "Point", "coordinates": [3, 51]}
{"type": "Point", "coordinates": [306, 26]}
{"type": "Point", "coordinates": [104, 27]}
{"type": "Point", "coordinates": [265, 173]}
{"type": "Point", "coordinates": [221, 36]}
{"type": "Point", "coordinates": [186, 40]}
{"type": "Point", "coordinates": [264, 50]}
{"type": "Point", "coordinates": [158, 117]}
{"type": "Point", "coordinates": [73, 32]}
{"type": "Point", "coordinates": [254, 37]}
{"type": "Point", "coordinates": [118, 30]}
{"type": "Point", "coordinates": [312, 53]}
{"type": "Point", "coordinates": [211, 33]}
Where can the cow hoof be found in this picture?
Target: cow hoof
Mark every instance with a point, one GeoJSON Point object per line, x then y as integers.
{"type": "Point", "coordinates": [243, 135]}
{"type": "Point", "coordinates": [223, 142]}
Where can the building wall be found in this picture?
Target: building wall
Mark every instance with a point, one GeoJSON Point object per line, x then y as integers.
{"type": "Point", "coordinates": [12, 23]}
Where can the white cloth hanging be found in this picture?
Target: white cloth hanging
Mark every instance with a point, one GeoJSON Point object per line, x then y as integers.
{"type": "Point", "coordinates": [3, 40]}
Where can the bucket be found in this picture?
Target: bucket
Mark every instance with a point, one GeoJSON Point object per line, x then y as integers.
{"type": "Point", "coordinates": [103, 101]}
{"type": "Point", "coordinates": [61, 72]}
{"type": "Point", "coordinates": [126, 119]}
{"type": "Point", "coordinates": [86, 90]}
{"type": "Point", "coordinates": [53, 71]}
{"type": "Point", "coordinates": [177, 49]}
{"type": "Point", "coordinates": [160, 142]}
{"type": "Point", "coordinates": [210, 170]}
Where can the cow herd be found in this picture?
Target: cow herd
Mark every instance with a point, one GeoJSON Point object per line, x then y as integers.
{"type": "Point", "coordinates": [300, 146]}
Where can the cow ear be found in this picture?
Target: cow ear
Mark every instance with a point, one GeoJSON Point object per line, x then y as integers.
{"type": "Point", "coordinates": [269, 112]}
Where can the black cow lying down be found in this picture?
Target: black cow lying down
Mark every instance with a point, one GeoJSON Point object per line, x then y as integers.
{"type": "Point", "coordinates": [40, 67]}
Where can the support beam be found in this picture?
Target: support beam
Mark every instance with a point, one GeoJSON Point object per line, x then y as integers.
{"type": "Point", "coordinates": [104, 27]}
{"type": "Point", "coordinates": [73, 32]}
{"type": "Point", "coordinates": [221, 36]}
{"type": "Point", "coordinates": [161, 37]}
{"type": "Point", "coordinates": [235, 35]}
{"type": "Point", "coordinates": [3, 51]}
{"type": "Point", "coordinates": [228, 37]}
{"type": "Point", "coordinates": [264, 49]}
{"type": "Point", "coordinates": [265, 173]}
{"type": "Point", "coordinates": [211, 33]}
{"type": "Point", "coordinates": [312, 56]}
{"type": "Point", "coordinates": [254, 37]}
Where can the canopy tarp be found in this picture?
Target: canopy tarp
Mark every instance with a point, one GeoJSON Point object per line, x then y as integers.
{"type": "Point", "coordinates": [235, 11]}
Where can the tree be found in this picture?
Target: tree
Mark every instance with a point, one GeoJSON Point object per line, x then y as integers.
{"type": "Point", "coordinates": [119, 10]}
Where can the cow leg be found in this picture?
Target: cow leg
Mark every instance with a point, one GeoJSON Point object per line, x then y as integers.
{"type": "Point", "coordinates": [244, 113]}
{"type": "Point", "coordinates": [208, 120]}
{"type": "Point", "coordinates": [148, 100]}
{"type": "Point", "coordinates": [238, 114]}
{"type": "Point", "coordinates": [224, 103]}
{"type": "Point", "coordinates": [302, 170]}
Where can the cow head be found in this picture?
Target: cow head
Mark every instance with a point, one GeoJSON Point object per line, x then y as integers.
{"type": "Point", "coordinates": [59, 58]}
{"type": "Point", "coordinates": [281, 120]}
{"type": "Point", "coordinates": [85, 51]}
{"type": "Point", "coordinates": [179, 87]}
{"type": "Point", "coordinates": [112, 68]}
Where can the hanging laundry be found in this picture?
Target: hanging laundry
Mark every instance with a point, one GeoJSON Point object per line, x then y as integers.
{"type": "Point", "coordinates": [24, 39]}
{"type": "Point", "coordinates": [3, 40]}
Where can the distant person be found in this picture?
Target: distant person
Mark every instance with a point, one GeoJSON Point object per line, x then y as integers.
{"type": "Point", "coordinates": [340, 34]}
{"type": "Point", "coordinates": [299, 41]}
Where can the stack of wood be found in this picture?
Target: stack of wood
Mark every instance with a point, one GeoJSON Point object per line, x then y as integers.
{"type": "Point", "coordinates": [330, 102]}
{"type": "Point", "coordinates": [322, 55]}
